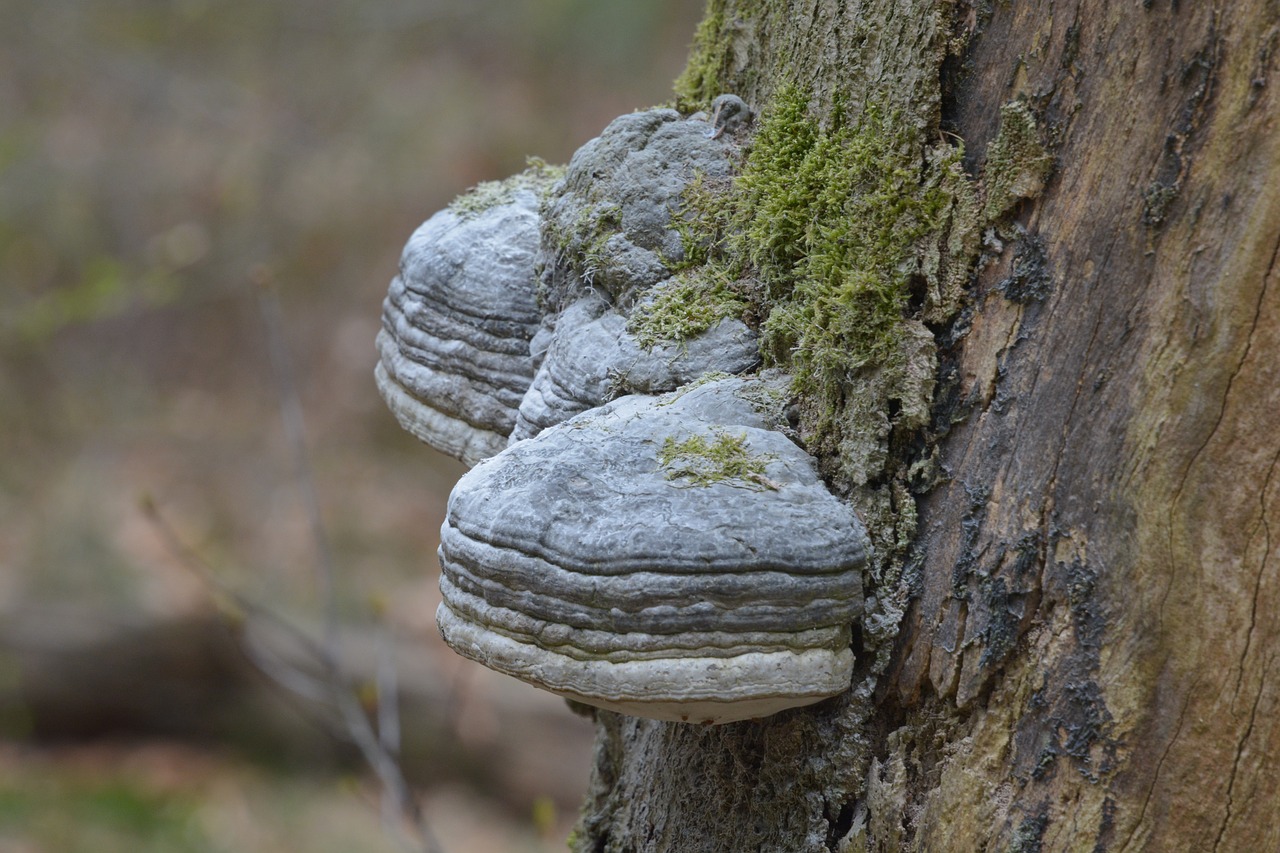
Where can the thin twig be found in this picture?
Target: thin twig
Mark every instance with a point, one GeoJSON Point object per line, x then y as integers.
{"type": "Point", "coordinates": [388, 699]}
{"type": "Point", "coordinates": [330, 690]}
{"type": "Point", "coordinates": [281, 673]}
{"type": "Point", "coordinates": [380, 746]}
{"type": "Point", "coordinates": [371, 744]}
{"type": "Point", "coordinates": [296, 436]}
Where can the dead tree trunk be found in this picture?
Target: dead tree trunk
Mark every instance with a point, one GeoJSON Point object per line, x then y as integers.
{"type": "Point", "coordinates": [1087, 655]}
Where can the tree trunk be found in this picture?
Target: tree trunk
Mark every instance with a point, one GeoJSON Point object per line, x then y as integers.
{"type": "Point", "coordinates": [1086, 652]}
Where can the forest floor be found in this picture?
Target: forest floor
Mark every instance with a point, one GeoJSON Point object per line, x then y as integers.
{"type": "Point", "coordinates": [172, 798]}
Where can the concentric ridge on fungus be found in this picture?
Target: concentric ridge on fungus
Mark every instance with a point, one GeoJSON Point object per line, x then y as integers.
{"type": "Point", "coordinates": [454, 358]}
{"type": "Point", "coordinates": [572, 561]}
{"type": "Point", "coordinates": [593, 358]}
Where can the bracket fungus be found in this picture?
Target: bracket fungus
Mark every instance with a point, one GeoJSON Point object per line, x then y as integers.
{"type": "Point", "coordinates": [585, 561]}
{"type": "Point", "coordinates": [674, 557]}
{"type": "Point", "coordinates": [454, 350]}
{"type": "Point", "coordinates": [593, 358]}
{"type": "Point", "coordinates": [728, 114]}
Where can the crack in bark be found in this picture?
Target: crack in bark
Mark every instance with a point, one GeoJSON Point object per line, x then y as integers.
{"type": "Point", "coordinates": [1262, 570]}
{"type": "Point", "coordinates": [1226, 395]}
{"type": "Point", "coordinates": [1262, 680]}
{"type": "Point", "coordinates": [1235, 765]}
{"type": "Point", "coordinates": [1170, 527]}
{"type": "Point", "coordinates": [1186, 471]}
{"type": "Point", "coordinates": [1214, 17]}
{"type": "Point", "coordinates": [1155, 777]}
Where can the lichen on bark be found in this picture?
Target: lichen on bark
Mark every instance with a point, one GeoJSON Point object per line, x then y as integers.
{"type": "Point", "coordinates": [1017, 163]}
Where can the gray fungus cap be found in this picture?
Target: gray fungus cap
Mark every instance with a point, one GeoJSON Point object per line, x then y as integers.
{"type": "Point", "coordinates": [669, 557]}
{"type": "Point", "coordinates": [453, 353]}
{"type": "Point", "coordinates": [593, 358]}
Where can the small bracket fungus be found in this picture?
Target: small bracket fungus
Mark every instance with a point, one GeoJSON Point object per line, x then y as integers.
{"type": "Point", "coordinates": [610, 224]}
{"type": "Point", "coordinates": [593, 358]}
{"type": "Point", "coordinates": [728, 113]}
{"type": "Point", "coordinates": [578, 561]}
{"type": "Point", "coordinates": [454, 350]}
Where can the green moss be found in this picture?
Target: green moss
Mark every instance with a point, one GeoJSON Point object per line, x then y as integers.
{"type": "Point", "coordinates": [701, 462]}
{"type": "Point", "coordinates": [833, 219]}
{"type": "Point", "coordinates": [583, 247]}
{"type": "Point", "coordinates": [537, 176]}
{"type": "Point", "coordinates": [702, 220]}
{"type": "Point", "coordinates": [840, 226]}
{"type": "Point", "coordinates": [842, 240]}
{"type": "Point", "coordinates": [687, 305]}
{"type": "Point", "coordinates": [1017, 163]}
{"type": "Point", "coordinates": [700, 80]}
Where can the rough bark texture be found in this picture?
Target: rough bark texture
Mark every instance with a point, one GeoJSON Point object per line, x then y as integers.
{"type": "Point", "coordinates": [1089, 658]}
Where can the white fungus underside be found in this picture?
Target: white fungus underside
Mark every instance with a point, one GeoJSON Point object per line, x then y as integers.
{"type": "Point", "coordinates": [677, 689]}
{"type": "Point", "coordinates": [445, 433]}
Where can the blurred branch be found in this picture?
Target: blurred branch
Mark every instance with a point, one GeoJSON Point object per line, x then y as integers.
{"type": "Point", "coordinates": [378, 744]}
{"type": "Point", "coordinates": [330, 690]}
{"type": "Point", "coordinates": [388, 704]}
{"type": "Point", "coordinates": [296, 436]}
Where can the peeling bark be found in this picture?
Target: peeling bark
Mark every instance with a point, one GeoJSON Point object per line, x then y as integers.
{"type": "Point", "coordinates": [1089, 659]}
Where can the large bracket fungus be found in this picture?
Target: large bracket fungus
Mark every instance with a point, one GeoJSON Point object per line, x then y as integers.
{"type": "Point", "coordinates": [589, 562]}
{"type": "Point", "coordinates": [676, 556]}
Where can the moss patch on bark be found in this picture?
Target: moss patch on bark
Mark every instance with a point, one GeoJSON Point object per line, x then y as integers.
{"type": "Point", "coordinates": [854, 233]}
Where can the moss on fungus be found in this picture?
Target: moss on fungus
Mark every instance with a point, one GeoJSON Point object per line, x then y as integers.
{"type": "Point", "coordinates": [538, 176]}
{"type": "Point", "coordinates": [685, 306]}
{"type": "Point", "coordinates": [700, 461]}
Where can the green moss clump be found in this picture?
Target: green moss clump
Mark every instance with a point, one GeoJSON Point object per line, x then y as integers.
{"type": "Point", "coordinates": [701, 461]}
{"type": "Point", "coordinates": [840, 241]}
{"type": "Point", "coordinates": [699, 82]}
{"type": "Point", "coordinates": [1017, 163]}
{"type": "Point", "coordinates": [835, 221]}
{"type": "Point", "coordinates": [687, 305]}
{"type": "Point", "coordinates": [701, 221]}
{"type": "Point", "coordinates": [538, 176]}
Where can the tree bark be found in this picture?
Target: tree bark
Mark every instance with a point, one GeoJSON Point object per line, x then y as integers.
{"type": "Point", "coordinates": [1089, 656]}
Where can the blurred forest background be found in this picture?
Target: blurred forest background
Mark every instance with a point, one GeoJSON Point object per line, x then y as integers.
{"type": "Point", "coordinates": [156, 157]}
